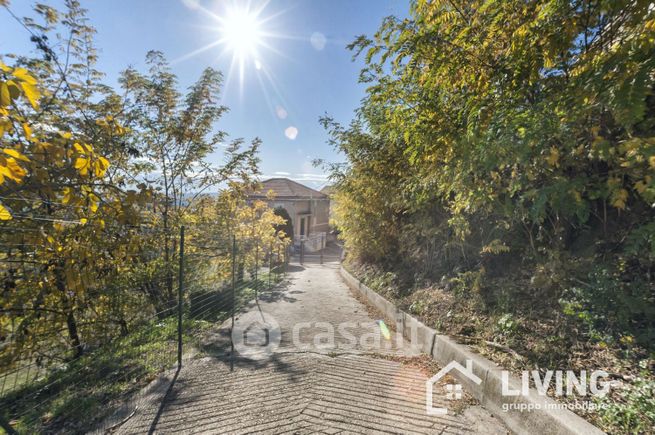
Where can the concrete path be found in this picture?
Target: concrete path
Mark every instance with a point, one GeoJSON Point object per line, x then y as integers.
{"type": "Point", "coordinates": [309, 383]}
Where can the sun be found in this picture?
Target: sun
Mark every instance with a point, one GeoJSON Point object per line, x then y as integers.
{"type": "Point", "coordinates": [241, 33]}
{"type": "Point", "coordinates": [243, 30]}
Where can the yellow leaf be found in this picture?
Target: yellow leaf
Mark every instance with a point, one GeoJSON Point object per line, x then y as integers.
{"type": "Point", "coordinates": [16, 154]}
{"type": "Point", "coordinates": [5, 172]}
{"type": "Point", "coordinates": [93, 203]}
{"type": "Point", "coordinates": [619, 198]}
{"type": "Point", "coordinates": [101, 166]}
{"type": "Point", "coordinates": [651, 161]}
{"type": "Point", "coordinates": [83, 221]}
{"type": "Point", "coordinates": [5, 125]}
{"type": "Point", "coordinates": [24, 75]}
{"type": "Point", "coordinates": [31, 93]}
{"type": "Point", "coordinates": [553, 157]}
{"type": "Point", "coordinates": [549, 62]}
{"type": "Point", "coordinates": [27, 130]}
{"type": "Point", "coordinates": [68, 194]}
{"type": "Point", "coordinates": [14, 90]}
{"type": "Point", "coordinates": [5, 96]}
{"type": "Point", "coordinates": [5, 215]}
{"type": "Point", "coordinates": [82, 165]}
{"type": "Point", "coordinates": [495, 247]}
{"type": "Point", "coordinates": [13, 170]}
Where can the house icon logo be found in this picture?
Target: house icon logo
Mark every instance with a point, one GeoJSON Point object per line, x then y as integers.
{"type": "Point", "coordinates": [454, 391]}
{"type": "Point", "coordinates": [256, 335]}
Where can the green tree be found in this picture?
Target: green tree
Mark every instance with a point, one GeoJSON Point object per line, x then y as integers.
{"type": "Point", "coordinates": [510, 131]}
{"type": "Point", "coordinates": [173, 136]}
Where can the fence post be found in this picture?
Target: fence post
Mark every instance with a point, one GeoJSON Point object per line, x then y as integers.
{"type": "Point", "coordinates": [302, 251]}
{"type": "Point", "coordinates": [234, 265]}
{"type": "Point", "coordinates": [270, 263]}
{"type": "Point", "coordinates": [180, 291]}
{"type": "Point", "coordinates": [256, 268]}
{"type": "Point", "coordinates": [279, 263]}
{"type": "Point", "coordinates": [322, 247]}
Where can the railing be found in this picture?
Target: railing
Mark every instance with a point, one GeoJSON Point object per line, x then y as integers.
{"type": "Point", "coordinates": [314, 242]}
{"type": "Point", "coordinates": [331, 252]}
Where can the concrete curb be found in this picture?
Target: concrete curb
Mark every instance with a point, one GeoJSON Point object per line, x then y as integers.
{"type": "Point", "coordinates": [544, 417]}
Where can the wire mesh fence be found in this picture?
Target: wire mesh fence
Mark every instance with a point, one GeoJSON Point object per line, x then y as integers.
{"type": "Point", "coordinates": [66, 370]}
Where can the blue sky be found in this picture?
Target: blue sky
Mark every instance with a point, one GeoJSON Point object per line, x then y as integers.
{"type": "Point", "coordinates": [305, 80]}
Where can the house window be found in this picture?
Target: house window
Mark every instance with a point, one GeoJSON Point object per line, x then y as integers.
{"type": "Point", "coordinates": [302, 226]}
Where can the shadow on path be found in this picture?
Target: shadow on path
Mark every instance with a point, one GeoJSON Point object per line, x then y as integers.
{"type": "Point", "coordinates": [167, 398]}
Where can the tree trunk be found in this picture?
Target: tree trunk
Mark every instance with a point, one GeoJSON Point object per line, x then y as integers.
{"type": "Point", "coordinates": [124, 329]}
{"type": "Point", "coordinates": [71, 323]}
{"type": "Point", "coordinates": [74, 336]}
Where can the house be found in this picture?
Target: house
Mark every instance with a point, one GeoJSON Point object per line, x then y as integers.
{"type": "Point", "coordinates": [306, 210]}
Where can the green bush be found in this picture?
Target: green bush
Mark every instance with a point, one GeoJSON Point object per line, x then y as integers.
{"type": "Point", "coordinates": [633, 411]}
{"type": "Point", "coordinates": [611, 303]}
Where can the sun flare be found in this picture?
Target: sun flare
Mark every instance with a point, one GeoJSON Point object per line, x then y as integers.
{"type": "Point", "coordinates": [242, 33]}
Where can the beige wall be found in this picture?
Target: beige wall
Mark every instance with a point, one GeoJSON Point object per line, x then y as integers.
{"type": "Point", "coordinates": [321, 216]}
{"type": "Point", "coordinates": [317, 210]}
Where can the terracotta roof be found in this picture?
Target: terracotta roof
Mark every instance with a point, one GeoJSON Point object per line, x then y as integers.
{"type": "Point", "coordinates": [285, 188]}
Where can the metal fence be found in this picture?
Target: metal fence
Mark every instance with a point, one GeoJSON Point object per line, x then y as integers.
{"type": "Point", "coordinates": [52, 384]}
{"type": "Point", "coordinates": [327, 252]}
{"type": "Point", "coordinates": [313, 242]}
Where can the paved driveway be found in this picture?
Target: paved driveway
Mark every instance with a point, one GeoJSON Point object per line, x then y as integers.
{"type": "Point", "coordinates": [341, 372]}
